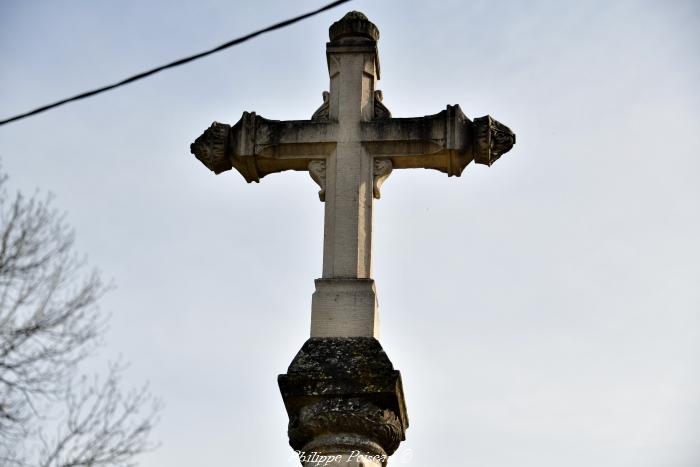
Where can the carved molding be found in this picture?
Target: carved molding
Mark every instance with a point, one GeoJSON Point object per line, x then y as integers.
{"type": "Point", "coordinates": [321, 113]}
{"type": "Point", "coordinates": [346, 415]}
{"type": "Point", "coordinates": [211, 147]}
{"type": "Point", "coordinates": [492, 139]}
{"type": "Point", "coordinates": [380, 110]}
{"type": "Point", "coordinates": [382, 170]}
{"type": "Point", "coordinates": [317, 170]}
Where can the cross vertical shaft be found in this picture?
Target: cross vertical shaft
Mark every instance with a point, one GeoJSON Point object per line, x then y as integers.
{"type": "Point", "coordinates": [352, 66]}
{"type": "Point", "coordinates": [345, 303]}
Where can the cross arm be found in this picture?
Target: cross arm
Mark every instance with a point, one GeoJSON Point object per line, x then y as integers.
{"type": "Point", "coordinates": [447, 141]}
{"type": "Point", "coordinates": [256, 146]}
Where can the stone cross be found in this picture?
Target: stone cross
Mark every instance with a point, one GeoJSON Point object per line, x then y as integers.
{"type": "Point", "coordinates": [342, 394]}
{"type": "Point", "coordinates": [350, 146]}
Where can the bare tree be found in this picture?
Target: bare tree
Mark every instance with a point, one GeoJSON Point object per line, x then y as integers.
{"type": "Point", "coordinates": [49, 322]}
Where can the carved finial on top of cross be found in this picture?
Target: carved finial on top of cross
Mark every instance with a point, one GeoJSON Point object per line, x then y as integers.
{"type": "Point", "coordinates": [354, 24]}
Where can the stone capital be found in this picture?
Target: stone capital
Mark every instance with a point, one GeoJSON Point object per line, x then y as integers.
{"type": "Point", "coordinates": [342, 394]}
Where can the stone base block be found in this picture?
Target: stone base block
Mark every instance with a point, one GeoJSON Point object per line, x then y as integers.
{"type": "Point", "coordinates": [343, 396]}
{"type": "Point", "coordinates": [344, 308]}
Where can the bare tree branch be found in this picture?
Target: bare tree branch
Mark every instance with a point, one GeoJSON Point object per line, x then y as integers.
{"type": "Point", "coordinates": [49, 322]}
{"type": "Point", "coordinates": [104, 426]}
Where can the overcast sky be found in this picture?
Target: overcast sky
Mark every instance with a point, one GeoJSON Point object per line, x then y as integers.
{"type": "Point", "coordinates": [544, 312]}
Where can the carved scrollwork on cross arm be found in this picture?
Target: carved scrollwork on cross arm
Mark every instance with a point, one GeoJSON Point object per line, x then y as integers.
{"type": "Point", "coordinates": [317, 170]}
{"type": "Point", "coordinates": [382, 170]}
{"type": "Point", "coordinates": [380, 110]}
{"type": "Point", "coordinates": [321, 114]}
{"type": "Point", "coordinates": [492, 139]}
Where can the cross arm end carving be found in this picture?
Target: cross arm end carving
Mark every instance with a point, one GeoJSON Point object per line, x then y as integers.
{"type": "Point", "coordinates": [211, 148]}
{"type": "Point", "coordinates": [492, 139]}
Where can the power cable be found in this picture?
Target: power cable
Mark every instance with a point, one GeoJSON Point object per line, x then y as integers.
{"type": "Point", "coordinates": [179, 62]}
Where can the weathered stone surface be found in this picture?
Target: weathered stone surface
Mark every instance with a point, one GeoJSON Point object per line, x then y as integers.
{"type": "Point", "coordinates": [382, 170]}
{"type": "Point", "coordinates": [344, 386]}
{"type": "Point", "coordinates": [354, 423]}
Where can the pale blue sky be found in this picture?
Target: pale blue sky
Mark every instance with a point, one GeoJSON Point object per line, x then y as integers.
{"type": "Point", "coordinates": [543, 312]}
